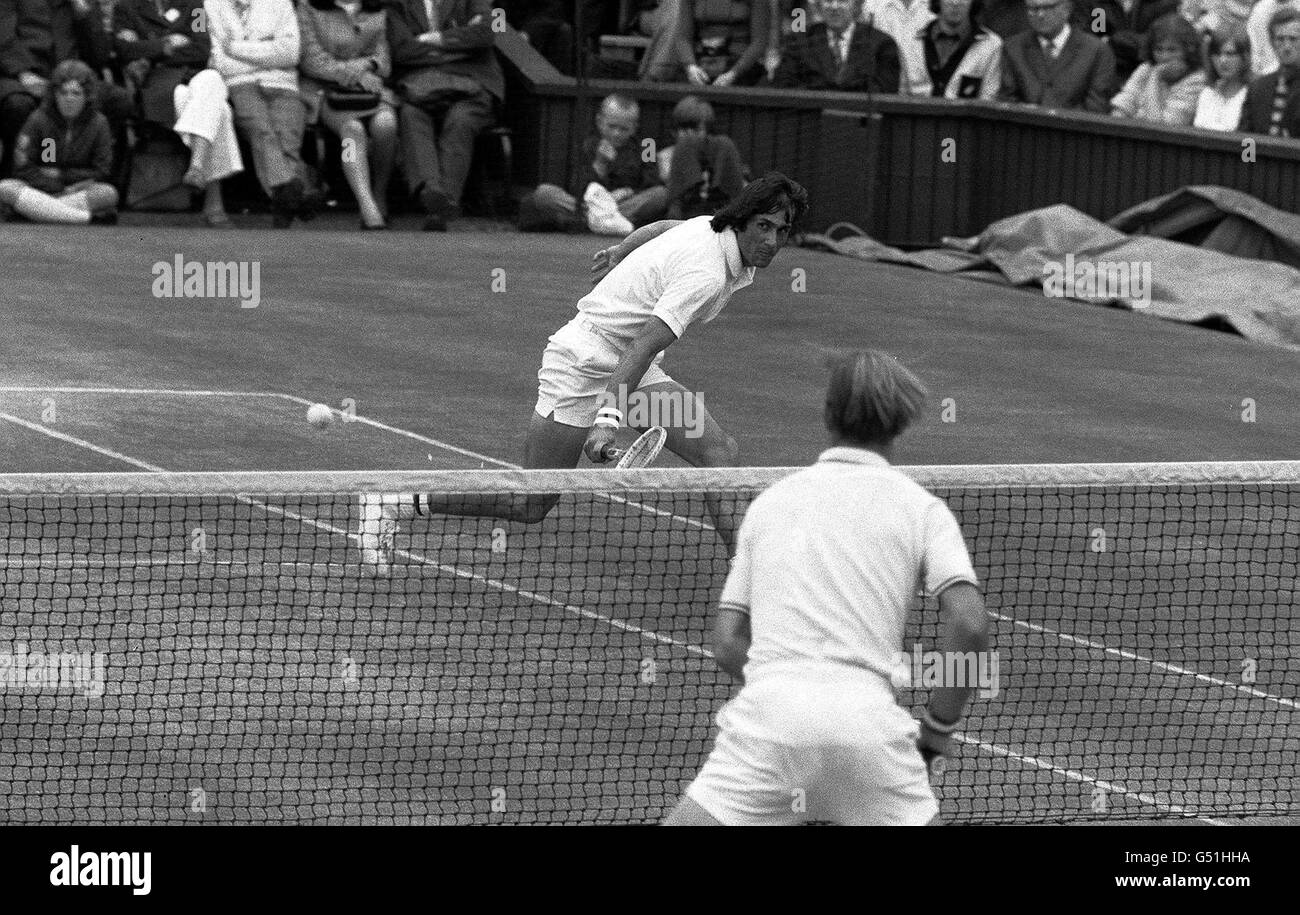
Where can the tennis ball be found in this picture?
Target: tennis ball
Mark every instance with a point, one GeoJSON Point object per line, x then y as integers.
{"type": "Point", "coordinates": [319, 415]}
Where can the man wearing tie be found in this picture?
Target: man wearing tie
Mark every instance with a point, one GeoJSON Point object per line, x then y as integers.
{"type": "Point", "coordinates": [1056, 65]}
{"type": "Point", "coordinates": [840, 54]}
{"type": "Point", "coordinates": [1272, 103]}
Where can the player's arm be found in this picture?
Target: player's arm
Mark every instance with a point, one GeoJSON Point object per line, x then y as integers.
{"type": "Point", "coordinates": [654, 337]}
{"type": "Point", "coordinates": [731, 637]}
{"type": "Point", "coordinates": [606, 259]}
{"type": "Point", "coordinates": [965, 629]}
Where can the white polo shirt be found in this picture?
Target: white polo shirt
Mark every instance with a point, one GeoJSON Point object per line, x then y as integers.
{"type": "Point", "coordinates": [683, 277]}
{"type": "Point", "coordinates": [828, 561]}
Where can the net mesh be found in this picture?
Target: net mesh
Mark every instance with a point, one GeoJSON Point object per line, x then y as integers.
{"type": "Point", "coordinates": [205, 648]}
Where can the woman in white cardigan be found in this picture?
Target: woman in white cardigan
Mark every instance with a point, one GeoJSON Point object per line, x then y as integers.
{"type": "Point", "coordinates": [961, 59]}
{"type": "Point", "coordinates": [1227, 64]}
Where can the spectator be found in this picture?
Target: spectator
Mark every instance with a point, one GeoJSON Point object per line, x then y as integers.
{"type": "Point", "coordinates": [1263, 57]}
{"type": "Point", "coordinates": [64, 155]}
{"type": "Point", "coordinates": [612, 190]}
{"type": "Point", "coordinates": [1125, 24]}
{"type": "Point", "coordinates": [448, 78]}
{"type": "Point", "coordinates": [344, 64]}
{"type": "Point", "coordinates": [1227, 68]}
{"type": "Point", "coordinates": [1272, 103]}
{"type": "Point", "coordinates": [1055, 65]}
{"type": "Point", "coordinates": [35, 37]}
{"type": "Point", "coordinates": [901, 20]}
{"type": "Point", "coordinates": [710, 42]}
{"type": "Point", "coordinates": [164, 47]}
{"type": "Point", "coordinates": [1166, 88]}
{"type": "Point", "coordinates": [839, 54]}
{"type": "Point", "coordinates": [702, 170]}
{"type": "Point", "coordinates": [961, 58]}
{"type": "Point", "coordinates": [1005, 18]}
{"type": "Point", "coordinates": [1213, 15]}
{"type": "Point", "coordinates": [255, 48]}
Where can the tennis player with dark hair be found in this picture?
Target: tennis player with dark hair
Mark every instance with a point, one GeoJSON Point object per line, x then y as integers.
{"type": "Point", "coordinates": [659, 281]}
{"type": "Point", "coordinates": [812, 620]}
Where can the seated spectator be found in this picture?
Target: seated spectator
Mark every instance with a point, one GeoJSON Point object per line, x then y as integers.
{"type": "Point", "coordinates": [1272, 103]}
{"type": "Point", "coordinates": [1056, 65]}
{"type": "Point", "coordinates": [961, 58]}
{"type": "Point", "coordinates": [613, 189]}
{"type": "Point", "coordinates": [344, 64]}
{"type": "Point", "coordinates": [35, 37]}
{"type": "Point", "coordinates": [1126, 27]}
{"type": "Point", "coordinates": [702, 170]}
{"type": "Point", "coordinates": [710, 42]}
{"type": "Point", "coordinates": [255, 48]}
{"type": "Point", "coordinates": [1215, 15]}
{"type": "Point", "coordinates": [1165, 89]}
{"type": "Point", "coordinates": [1227, 69]}
{"type": "Point", "coordinates": [166, 56]}
{"type": "Point", "coordinates": [449, 80]}
{"type": "Point", "coordinates": [1263, 58]}
{"type": "Point", "coordinates": [901, 20]}
{"type": "Point", "coordinates": [64, 155]}
{"type": "Point", "coordinates": [839, 54]}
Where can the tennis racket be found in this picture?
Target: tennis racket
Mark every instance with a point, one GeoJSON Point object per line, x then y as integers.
{"type": "Point", "coordinates": [640, 453]}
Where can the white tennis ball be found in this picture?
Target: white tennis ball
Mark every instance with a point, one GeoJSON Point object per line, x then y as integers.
{"type": "Point", "coordinates": [319, 415]}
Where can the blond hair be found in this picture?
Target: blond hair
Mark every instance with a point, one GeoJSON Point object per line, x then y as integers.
{"type": "Point", "coordinates": [872, 397]}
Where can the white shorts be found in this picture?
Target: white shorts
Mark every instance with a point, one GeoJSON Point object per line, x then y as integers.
{"type": "Point", "coordinates": [779, 760]}
{"type": "Point", "coordinates": [575, 372]}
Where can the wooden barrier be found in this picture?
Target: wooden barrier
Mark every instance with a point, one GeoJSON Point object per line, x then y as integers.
{"type": "Point", "coordinates": [911, 170]}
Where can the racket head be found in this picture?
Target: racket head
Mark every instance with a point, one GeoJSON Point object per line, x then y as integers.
{"type": "Point", "coordinates": [644, 450]}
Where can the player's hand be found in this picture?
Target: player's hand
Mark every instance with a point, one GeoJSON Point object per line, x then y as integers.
{"type": "Point", "coordinates": [604, 261]}
{"type": "Point", "coordinates": [598, 439]}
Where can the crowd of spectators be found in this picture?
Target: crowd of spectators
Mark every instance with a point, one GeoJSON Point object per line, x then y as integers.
{"type": "Point", "coordinates": [410, 84]}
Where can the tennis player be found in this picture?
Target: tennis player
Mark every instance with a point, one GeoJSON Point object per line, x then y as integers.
{"type": "Point", "coordinates": [812, 618]}
{"type": "Point", "coordinates": [665, 278]}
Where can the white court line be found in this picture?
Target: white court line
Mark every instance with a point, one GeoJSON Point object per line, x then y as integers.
{"type": "Point", "coordinates": [358, 417]}
{"type": "Point", "coordinates": [1162, 665]}
{"type": "Point", "coordinates": [540, 598]}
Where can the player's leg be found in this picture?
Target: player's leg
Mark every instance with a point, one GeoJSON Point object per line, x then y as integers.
{"type": "Point", "coordinates": [695, 437]}
{"type": "Point", "coordinates": [550, 444]}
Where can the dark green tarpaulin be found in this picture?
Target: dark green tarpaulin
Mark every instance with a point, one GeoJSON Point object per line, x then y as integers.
{"type": "Point", "coordinates": [1214, 257]}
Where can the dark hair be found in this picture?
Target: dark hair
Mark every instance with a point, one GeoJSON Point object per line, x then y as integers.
{"type": "Point", "coordinates": [691, 112]}
{"type": "Point", "coordinates": [1284, 16]}
{"type": "Point", "coordinates": [1173, 28]}
{"type": "Point", "coordinates": [1227, 36]}
{"type": "Point", "coordinates": [872, 397]}
{"type": "Point", "coordinates": [370, 6]}
{"type": "Point", "coordinates": [72, 71]}
{"type": "Point", "coordinates": [976, 10]}
{"type": "Point", "coordinates": [774, 191]}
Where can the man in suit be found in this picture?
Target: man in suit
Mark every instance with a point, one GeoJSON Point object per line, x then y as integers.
{"type": "Point", "coordinates": [839, 54]}
{"type": "Point", "coordinates": [1272, 103]}
{"type": "Point", "coordinates": [1055, 65]}
{"type": "Point", "coordinates": [447, 44]}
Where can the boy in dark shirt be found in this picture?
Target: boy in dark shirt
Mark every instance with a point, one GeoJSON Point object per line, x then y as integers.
{"type": "Point", "coordinates": [613, 188]}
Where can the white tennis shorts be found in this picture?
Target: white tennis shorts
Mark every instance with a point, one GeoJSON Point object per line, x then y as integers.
{"type": "Point", "coordinates": [575, 371]}
{"type": "Point", "coordinates": [790, 753]}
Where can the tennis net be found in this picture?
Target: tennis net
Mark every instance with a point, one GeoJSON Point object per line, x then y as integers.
{"type": "Point", "coordinates": [204, 648]}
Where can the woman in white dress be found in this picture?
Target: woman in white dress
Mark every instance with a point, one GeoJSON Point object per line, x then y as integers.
{"type": "Point", "coordinates": [1227, 64]}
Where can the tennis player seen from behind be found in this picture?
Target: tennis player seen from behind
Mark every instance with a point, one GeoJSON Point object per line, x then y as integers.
{"type": "Point", "coordinates": [812, 620]}
{"type": "Point", "coordinates": [661, 280]}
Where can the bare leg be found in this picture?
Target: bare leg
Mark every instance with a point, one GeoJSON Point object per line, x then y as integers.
{"type": "Point", "coordinates": [550, 444]}
{"type": "Point", "coordinates": [356, 168]}
{"type": "Point", "coordinates": [383, 154]}
{"type": "Point", "coordinates": [195, 175]}
{"type": "Point", "coordinates": [689, 813]}
{"type": "Point", "coordinates": [213, 203]}
{"type": "Point", "coordinates": [701, 442]}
